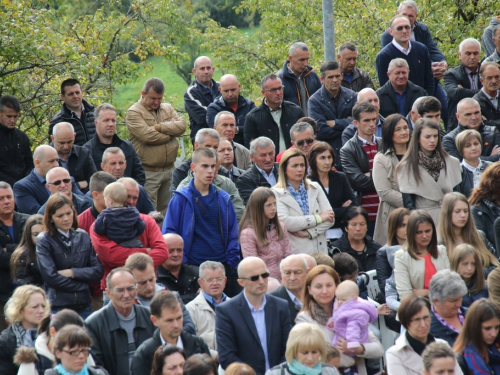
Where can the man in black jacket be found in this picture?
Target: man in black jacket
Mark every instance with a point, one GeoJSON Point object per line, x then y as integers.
{"type": "Point", "coordinates": [16, 160]}
{"type": "Point", "coordinates": [76, 111]}
{"type": "Point", "coordinates": [353, 78]}
{"type": "Point", "coordinates": [274, 117]}
{"type": "Point", "coordinates": [488, 97]}
{"type": "Point", "coordinates": [166, 314]}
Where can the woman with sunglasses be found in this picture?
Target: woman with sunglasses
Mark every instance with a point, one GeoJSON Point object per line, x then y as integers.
{"type": "Point", "coordinates": [66, 258]}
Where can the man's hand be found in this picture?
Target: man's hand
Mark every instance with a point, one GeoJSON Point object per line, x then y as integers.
{"type": "Point", "coordinates": [347, 203]}
{"type": "Point", "coordinates": [67, 273]}
{"type": "Point", "coordinates": [438, 69]}
{"type": "Point", "coordinates": [496, 150]}
{"type": "Point", "coordinates": [330, 123]}
{"type": "Point", "coordinates": [83, 184]}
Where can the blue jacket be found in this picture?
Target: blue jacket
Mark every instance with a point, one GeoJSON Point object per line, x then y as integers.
{"type": "Point", "coordinates": [475, 362]}
{"type": "Point", "coordinates": [440, 331]}
{"type": "Point", "coordinates": [470, 298]}
{"type": "Point", "coordinates": [180, 219]}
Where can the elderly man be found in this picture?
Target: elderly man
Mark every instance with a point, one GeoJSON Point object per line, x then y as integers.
{"type": "Point", "coordinates": [264, 171]}
{"type": "Point", "coordinates": [226, 156]}
{"type": "Point", "coordinates": [488, 97]}
{"type": "Point", "coordinates": [495, 37]}
{"type": "Point", "coordinates": [303, 138]}
{"type": "Point", "coordinates": [76, 159]}
{"type": "Point", "coordinates": [225, 125]}
{"type": "Point", "coordinates": [105, 123]}
{"type": "Point", "coordinates": [153, 127]}
{"type": "Point", "coordinates": [352, 77]}
{"type": "Point", "coordinates": [230, 101]}
{"type": "Point", "coordinates": [300, 79]}
{"type": "Point", "coordinates": [274, 117]}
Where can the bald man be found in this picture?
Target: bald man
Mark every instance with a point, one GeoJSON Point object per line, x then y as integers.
{"type": "Point", "coordinates": [252, 319]}
{"type": "Point", "coordinates": [230, 101]}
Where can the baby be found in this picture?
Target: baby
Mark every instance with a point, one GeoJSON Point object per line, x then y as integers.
{"type": "Point", "coordinates": [120, 224]}
{"type": "Point", "coordinates": [352, 315]}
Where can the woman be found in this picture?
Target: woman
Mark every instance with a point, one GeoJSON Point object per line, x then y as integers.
{"type": "Point", "coordinates": [447, 313]}
{"type": "Point", "coordinates": [465, 261]}
{"type": "Point", "coordinates": [66, 258]}
{"type": "Point", "coordinates": [334, 184]}
{"type": "Point", "coordinates": [420, 257]}
{"type": "Point", "coordinates": [395, 138]}
{"type": "Point", "coordinates": [405, 357]}
{"type": "Point", "coordinates": [71, 349]}
{"type": "Point", "coordinates": [319, 295]}
{"type": "Point", "coordinates": [456, 226]}
{"type": "Point", "coordinates": [439, 359]}
{"type": "Point", "coordinates": [355, 241]}
{"type": "Point", "coordinates": [485, 202]}
{"type": "Point", "coordinates": [24, 310]}
{"type": "Point", "coordinates": [200, 364]}
{"type": "Point", "coordinates": [426, 173]}
{"type": "Point", "coordinates": [305, 353]}
{"type": "Point", "coordinates": [168, 360]}
{"type": "Point", "coordinates": [302, 205]}
{"type": "Point", "coordinates": [261, 233]}
{"type": "Point", "coordinates": [23, 264]}
{"type": "Point", "coordinates": [477, 343]}
{"type": "Point", "coordinates": [469, 148]}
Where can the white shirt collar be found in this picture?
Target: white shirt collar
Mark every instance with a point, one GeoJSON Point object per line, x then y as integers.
{"type": "Point", "coordinates": [405, 51]}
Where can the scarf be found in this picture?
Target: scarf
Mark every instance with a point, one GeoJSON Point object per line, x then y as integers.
{"type": "Point", "coordinates": [432, 164]}
{"type": "Point", "coordinates": [298, 368]}
{"type": "Point", "coordinates": [318, 314]}
{"type": "Point", "coordinates": [62, 371]}
{"type": "Point", "coordinates": [20, 333]}
{"type": "Point", "coordinates": [300, 196]}
{"type": "Point", "coordinates": [417, 345]}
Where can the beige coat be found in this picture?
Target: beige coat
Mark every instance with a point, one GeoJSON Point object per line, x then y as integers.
{"type": "Point", "coordinates": [384, 179]}
{"type": "Point", "coordinates": [153, 134]}
{"type": "Point", "coordinates": [242, 156]}
{"type": "Point", "coordinates": [290, 214]}
{"type": "Point", "coordinates": [373, 348]}
{"type": "Point", "coordinates": [409, 273]}
{"type": "Point", "coordinates": [428, 193]}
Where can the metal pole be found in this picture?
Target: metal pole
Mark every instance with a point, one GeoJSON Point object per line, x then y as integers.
{"type": "Point", "coordinates": [329, 30]}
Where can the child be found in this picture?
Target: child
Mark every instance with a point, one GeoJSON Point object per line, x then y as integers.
{"type": "Point", "coordinates": [332, 356]}
{"type": "Point", "coordinates": [120, 224]}
{"type": "Point", "coordinates": [352, 315]}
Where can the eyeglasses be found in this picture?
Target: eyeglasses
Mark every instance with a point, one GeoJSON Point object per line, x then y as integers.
{"type": "Point", "coordinates": [264, 275]}
{"type": "Point", "coordinates": [130, 289]}
{"type": "Point", "coordinates": [424, 319]}
{"type": "Point", "coordinates": [400, 28]}
{"type": "Point", "coordinates": [309, 141]}
{"type": "Point", "coordinates": [59, 182]}
{"type": "Point", "coordinates": [213, 280]}
{"type": "Point", "coordinates": [275, 90]}
{"type": "Point", "coordinates": [77, 352]}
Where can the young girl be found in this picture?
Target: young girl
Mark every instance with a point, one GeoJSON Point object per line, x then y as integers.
{"type": "Point", "coordinates": [465, 261]}
{"type": "Point", "coordinates": [261, 233]}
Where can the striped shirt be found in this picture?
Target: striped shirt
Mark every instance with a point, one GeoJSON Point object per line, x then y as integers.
{"type": "Point", "coordinates": [370, 199]}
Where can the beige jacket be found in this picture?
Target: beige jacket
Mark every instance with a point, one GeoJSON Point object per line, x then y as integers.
{"type": "Point", "coordinates": [153, 134]}
{"type": "Point", "coordinates": [409, 273]}
{"type": "Point", "coordinates": [384, 179]}
{"type": "Point", "coordinates": [242, 156]}
{"type": "Point", "coordinates": [290, 214]}
{"type": "Point", "coordinates": [428, 193]}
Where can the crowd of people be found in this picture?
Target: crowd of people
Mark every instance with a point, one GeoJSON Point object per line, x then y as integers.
{"type": "Point", "coordinates": [252, 256]}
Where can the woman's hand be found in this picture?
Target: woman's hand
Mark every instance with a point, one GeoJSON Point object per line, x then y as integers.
{"type": "Point", "coordinates": [67, 273]}
{"type": "Point", "coordinates": [421, 292]}
{"type": "Point", "coordinates": [342, 346]}
{"type": "Point", "coordinates": [301, 233]}
{"type": "Point", "coordinates": [347, 203]}
{"type": "Point", "coordinates": [327, 215]}
{"type": "Point", "coordinates": [383, 309]}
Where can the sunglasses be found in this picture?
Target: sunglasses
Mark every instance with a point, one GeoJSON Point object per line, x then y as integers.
{"type": "Point", "coordinates": [59, 182]}
{"type": "Point", "coordinates": [264, 275]}
{"type": "Point", "coordinates": [401, 28]}
{"type": "Point", "coordinates": [309, 141]}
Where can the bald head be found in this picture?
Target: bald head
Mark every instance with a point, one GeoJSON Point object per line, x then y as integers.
{"type": "Point", "coordinates": [45, 158]}
{"type": "Point", "coordinates": [369, 95]}
{"type": "Point", "coordinates": [62, 128]}
{"type": "Point", "coordinates": [175, 245]}
{"type": "Point", "coordinates": [248, 266]}
{"type": "Point", "coordinates": [203, 70]}
{"type": "Point", "coordinates": [59, 181]}
{"type": "Point", "coordinates": [311, 262]}
{"type": "Point", "coordinates": [172, 237]}
{"type": "Point", "coordinates": [346, 291]}
{"type": "Point", "coordinates": [63, 138]}
{"type": "Point", "coordinates": [229, 89]}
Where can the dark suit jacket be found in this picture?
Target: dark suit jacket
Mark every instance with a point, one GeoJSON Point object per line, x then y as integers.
{"type": "Point", "coordinates": [389, 103]}
{"type": "Point", "coordinates": [80, 165]}
{"type": "Point", "coordinates": [283, 294]}
{"type": "Point", "coordinates": [30, 194]}
{"type": "Point", "coordinates": [237, 337]}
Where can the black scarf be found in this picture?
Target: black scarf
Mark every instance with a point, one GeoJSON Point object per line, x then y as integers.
{"type": "Point", "coordinates": [417, 345]}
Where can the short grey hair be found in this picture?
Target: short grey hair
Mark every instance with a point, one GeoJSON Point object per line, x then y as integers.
{"type": "Point", "coordinates": [408, 4]}
{"type": "Point", "coordinates": [206, 132]}
{"type": "Point", "coordinates": [494, 31]}
{"type": "Point", "coordinates": [212, 266]}
{"type": "Point", "coordinates": [446, 284]}
{"type": "Point", "coordinates": [397, 63]}
{"type": "Point", "coordinates": [298, 45]}
{"type": "Point", "coordinates": [301, 127]}
{"type": "Point", "coordinates": [261, 142]}
{"type": "Point", "coordinates": [113, 151]}
{"type": "Point", "coordinates": [293, 256]}
{"type": "Point", "coordinates": [103, 107]}
{"type": "Point", "coordinates": [5, 185]}
{"type": "Point", "coordinates": [469, 41]}
{"type": "Point", "coordinates": [48, 177]}
{"type": "Point", "coordinates": [222, 113]}
{"type": "Point", "coordinates": [60, 126]}
{"type": "Point", "coordinates": [130, 181]}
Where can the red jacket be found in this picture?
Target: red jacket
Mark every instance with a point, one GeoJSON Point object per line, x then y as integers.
{"type": "Point", "coordinates": [85, 220]}
{"type": "Point", "coordinates": [113, 255]}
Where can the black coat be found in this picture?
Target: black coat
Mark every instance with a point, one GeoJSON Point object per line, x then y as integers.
{"type": "Point", "coordinates": [84, 126]}
{"type": "Point", "coordinates": [439, 331]}
{"type": "Point", "coordinates": [283, 294]}
{"type": "Point", "coordinates": [367, 260]}
{"type": "Point", "coordinates": [489, 135]}
{"type": "Point", "coordinates": [187, 283]}
{"type": "Point", "coordinates": [16, 160]}
{"type": "Point", "coordinates": [251, 180]}
{"type": "Point", "coordinates": [27, 272]}
{"type": "Point", "coordinates": [491, 113]}
{"type": "Point", "coordinates": [80, 165]}
{"type": "Point", "coordinates": [8, 345]}
{"type": "Point", "coordinates": [351, 129]}
{"type": "Point", "coordinates": [196, 100]}
{"type": "Point", "coordinates": [360, 80]}
{"type": "Point", "coordinates": [388, 102]}
{"type": "Point", "coordinates": [484, 217]}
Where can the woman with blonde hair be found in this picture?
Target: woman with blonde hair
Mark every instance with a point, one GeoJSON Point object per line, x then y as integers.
{"type": "Point", "coordinates": [238, 368]}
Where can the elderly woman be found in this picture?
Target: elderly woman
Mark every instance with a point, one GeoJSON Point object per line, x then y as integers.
{"type": "Point", "coordinates": [405, 357]}
{"type": "Point", "coordinates": [447, 314]}
{"type": "Point", "coordinates": [302, 205]}
{"type": "Point", "coordinates": [319, 295]}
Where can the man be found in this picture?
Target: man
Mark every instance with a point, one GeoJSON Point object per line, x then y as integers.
{"type": "Point", "coordinates": [76, 159]}
{"type": "Point", "coordinates": [59, 181]}
{"type": "Point", "coordinates": [16, 160]}
{"type": "Point", "coordinates": [274, 117]}
{"type": "Point", "coordinates": [331, 107]}
{"type": "Point", "coordinates": [253, 320]}
{"type": "Point", "coordinates": [487, 38]}
{"type": "Point", "coordinates": [230, 101]}
{"type": "Point", "coordinates": [105, 123]}
{"type": "Point", "coordinates": [357, 159]}
{"type": "Point", "coordinates": [398, 94]}
{"type": "Point", "coordinates": [469, 117]}
{"type": "Point", "coordinates": [225, 125]}
{"type": "Point", "coordinates": [462, 81]}
{"type": "Point", "coordinates": [487, 97]}
{"type": "Point", "coordinates": [495, 56]}
{"type": "Point", "coordinates": [76, 111]}
{"type": "Point", "coordinates": [311, 262]}
{"type": "Point", "coordinates": [353, 78]}
{"type": "Point", "coordinates": [293, 275]}
{"type": "Point", "coordinates": [202, 207]}
{"type": "Point", "coordinates": [300, 79]}
{"type": "Point", "coordinates": [11, 230]}
{"type": "Point", "coordinates": [31, 192]}
{"type": "Point", "coordinates": [264, 171]}
{"type": "Point", "coordinates": [303, 138]}
{"type": "Point", "coordinates": [166, 315]}
{"type": "Point", "coordinates": [115, 163]}
{"type": "Point", "coordinates": [427, 107]}
{"type": "Point", "coordinates": [226, 157]}
{"type": "Point", "coordinates": [212, 282]}
{"type": "Point", "coordinates": [153, 127]}
{"type": "Point", "coordinates": [174, 274]}
{"type": "Point", "coordinates": [200, 93]}
{"type": "Point", "coordinates": [119, 328]}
